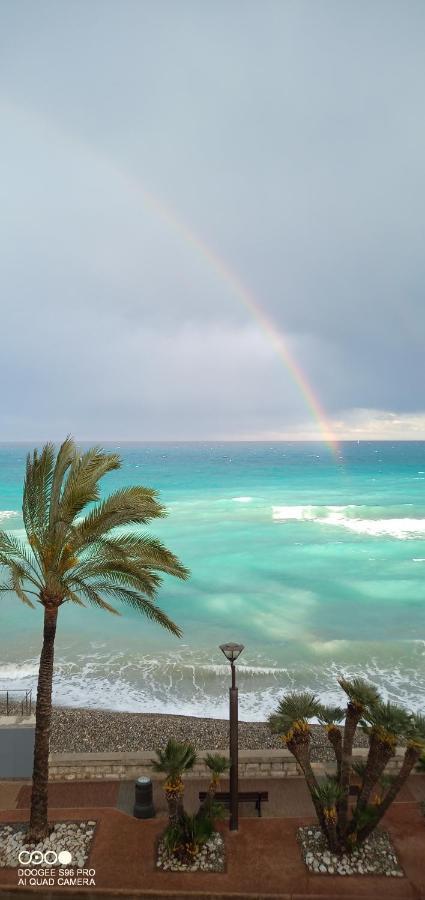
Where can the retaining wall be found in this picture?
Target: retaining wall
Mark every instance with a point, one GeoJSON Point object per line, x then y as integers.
{"type": "Point", "coordinates": [128, 766]}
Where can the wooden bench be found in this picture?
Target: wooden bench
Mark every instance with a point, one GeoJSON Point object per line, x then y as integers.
{"type": "Point", "coordinates": [257, 797]}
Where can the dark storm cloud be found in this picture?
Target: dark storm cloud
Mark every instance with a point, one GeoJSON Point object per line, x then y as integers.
{"type": "Point", "coordinates": [288, 136]}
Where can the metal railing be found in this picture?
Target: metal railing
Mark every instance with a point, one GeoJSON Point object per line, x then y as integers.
{"type": "Point", "coordinates": [11, 702]}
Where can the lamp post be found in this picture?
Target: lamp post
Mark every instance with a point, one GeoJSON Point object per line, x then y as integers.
{"type": "Point", "coordinates": [231, 652]}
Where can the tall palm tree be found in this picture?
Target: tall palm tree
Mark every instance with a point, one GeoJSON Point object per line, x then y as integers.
{"type": "Point", "coordinates": [174, 761]}
{"type": "Point", "coordinates": [71, 557]}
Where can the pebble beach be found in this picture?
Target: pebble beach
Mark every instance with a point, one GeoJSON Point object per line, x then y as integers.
{"type": "Point", "coordinates": [82, 730]}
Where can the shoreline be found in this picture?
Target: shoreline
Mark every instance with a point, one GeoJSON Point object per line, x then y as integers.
{"type": "Point", "coordinates": [85, 730]}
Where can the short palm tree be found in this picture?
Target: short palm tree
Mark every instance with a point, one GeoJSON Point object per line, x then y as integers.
{"type": "Point", "coordinates": [415, 747]}
{"type": "Point", "coordinates": [174, 761]}
{"type": "Point", "coordinates": [385, 723]}
{"type": "Point", "coordinates": [330, 717]}
{"type": "Point", "coordinates": [291, 721]}
{"type": "Point", "coordinates": [217, 765]}
{"type": "Point", "coordinates": [360, 695]}
{"type": "Point", "coordinates": [328, 794]}
{"type": "Point", "coordinates": [77, 558]}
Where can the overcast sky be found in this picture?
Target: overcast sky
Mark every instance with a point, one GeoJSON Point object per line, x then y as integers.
{"type": "Point", "coordinates": [286, 138]}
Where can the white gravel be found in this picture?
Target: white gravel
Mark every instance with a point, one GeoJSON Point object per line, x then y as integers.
{"type": "Point", "coordinates": [209, 859]}
{"type": "Point", "coordinates": [69, 842]}
{"type": "Point", "coordinates": [376, 856]}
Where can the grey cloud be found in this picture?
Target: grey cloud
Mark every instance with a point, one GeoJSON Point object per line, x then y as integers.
{"type": "Point", "coordinates": [288, 136]}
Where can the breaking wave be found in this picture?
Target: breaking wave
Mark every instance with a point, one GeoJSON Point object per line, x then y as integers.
{"type": "Point", "coordinates": [185, 682]}
{"type": "Point", "coordinates": [357, 519]}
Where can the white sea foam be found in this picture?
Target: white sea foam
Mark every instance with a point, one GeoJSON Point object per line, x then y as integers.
{"type": "Point", "coordinates": [17, 672]}
{"type": "Point", "coordinates": [8, 514]}
{"type": "Point", "coordinates": [241, 499]}
{"type": "Point", "coordinates": [401, 528]}
{"type": "Point", "coordinates": [189, 682]}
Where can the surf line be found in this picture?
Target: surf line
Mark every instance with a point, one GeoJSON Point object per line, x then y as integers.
{"type": "Point", "coordinates": [216, 262]}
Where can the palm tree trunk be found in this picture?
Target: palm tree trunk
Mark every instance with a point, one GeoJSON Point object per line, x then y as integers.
{"type": "Point", "coordinates": [206, 805]}
{"type": "Point", "coordinates": [335, 738]}
{"type": "Point", "coordinates": [332, 836]}
{"type": "Point", "coordinates": [354, 714]}
{"type": "Point", "coordinates": [301, 751]}
{"type": "Point", "coordinates": [411, 757]}
{"type": "Point", "coordinates": [173, 811]}
{"type": "Point", "coordinates": [39, 826]}
{"type": "Point", "coordinates": [380, 754]}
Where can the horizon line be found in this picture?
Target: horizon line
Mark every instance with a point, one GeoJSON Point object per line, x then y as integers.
{"type": "Point", "coordinates": [352, 440]}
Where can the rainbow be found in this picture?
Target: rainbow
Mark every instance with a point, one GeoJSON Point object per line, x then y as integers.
{"type": "Point", "coordinates": [249, 301]}
{"type": "Point", "coordinates": [227, 275]}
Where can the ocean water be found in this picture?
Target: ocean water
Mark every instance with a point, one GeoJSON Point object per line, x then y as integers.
{"type": "Point", "coordinates": [314, 562]}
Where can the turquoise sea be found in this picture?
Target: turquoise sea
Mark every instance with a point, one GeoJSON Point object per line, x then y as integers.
{"type": "Point", "coordinates": [316, 563]}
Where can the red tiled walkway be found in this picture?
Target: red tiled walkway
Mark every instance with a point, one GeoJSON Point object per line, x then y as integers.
{"type": "Point", "coordinates": [263, 857]}
{"type": "Point", "coordinates": [74, 794]}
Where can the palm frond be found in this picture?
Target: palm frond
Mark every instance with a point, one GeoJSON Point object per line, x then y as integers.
{"type": "Point", "coordinates": [17, 576]}
{"type": "Point", "coordinates": [359, 691]}
{"type": "Point", "coordinates": [328, 792]}
{"type": "Point", "coordinates": [359, 766]}
{"type": "Point", "coordinates": [121, 572]}
{"type": "Point", "coordinates": [133, 505]}
{"type": "Point", "coordinates": [81, 486]}
{"type": "Point", "coordinates": [217, 764]}
{"type": "Point", "coordinates": [66, 455]}
{"type": "Point", "coordinates": [37, 489]}
{"type": "Point", "coordinates": [294, 707]}
{"type": "Point", "coordinates": [388, 718]}
{"type": "Point", "coordinates": [416, 733]}
{"type": "Point", "coordinates": [141, 604]}
{"type": "Point", "coordinates": [175, 759]}
{"type": "Point", "coordinates": [142, 547]}
{"type": "Point", "coordinates": [91, 594]}
{"type": "Point", "coordinates": [330, 715]}
{"type": "Point", "coordinates": [12, 548]}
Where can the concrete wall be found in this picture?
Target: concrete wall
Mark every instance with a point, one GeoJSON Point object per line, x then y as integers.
{"type": "Point", "coordinates": [16, 746]}
{"type": "Point", "coordinates": [128, 766]}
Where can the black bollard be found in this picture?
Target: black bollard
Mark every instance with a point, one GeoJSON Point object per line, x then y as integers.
{"type": "Point", "coordinates": [143, 805]}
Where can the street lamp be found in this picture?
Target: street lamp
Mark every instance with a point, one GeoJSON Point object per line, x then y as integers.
{"type": "Point", "coordinates": [231, 652]}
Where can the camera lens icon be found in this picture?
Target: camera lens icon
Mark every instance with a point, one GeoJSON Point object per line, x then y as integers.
{"type": "Point", "coordinates": [49, 858]}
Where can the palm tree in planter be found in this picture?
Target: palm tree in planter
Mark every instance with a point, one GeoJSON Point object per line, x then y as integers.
{"type": "Point", "coordinates": [217, 765]}
{"type": "Point", "coordinates": [174, 761]}
{"type": "Point", "coordinates": [76, 554]}
{"type": "Point", "coordinates": [385, 724]}
{"type": "Point", "coordinates": [415, 746]}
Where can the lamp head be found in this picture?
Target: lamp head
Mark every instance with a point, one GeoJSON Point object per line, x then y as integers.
{"type": "Point", "coordinates": [231, 651]}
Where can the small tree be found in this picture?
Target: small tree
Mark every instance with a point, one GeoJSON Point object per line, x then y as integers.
{"type": "Point", "coordinates": [384, 723]}
{"type": "Point", "coordinates": [174, 761]}
{"type": "Point", "coordinates": [185, 833]}
{"type": "Point", "coordinates": [217, 765]}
